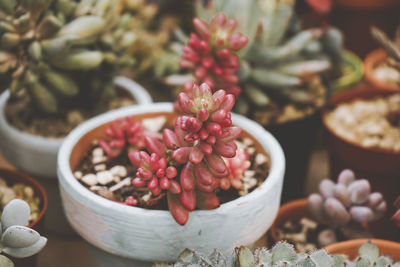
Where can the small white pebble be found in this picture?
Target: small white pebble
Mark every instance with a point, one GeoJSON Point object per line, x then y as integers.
{"type": "Point", "coordinates": [90, 179]}
{"type": "Point", "coordinates": [78, 175]}
{"type": "Point", "coordinates": [119, 171]}
{"type": "Point", "coordinates": [251, 150]}
{"type": "Point", "coordinates": [125, 182]}
{"type": "Point", "coordinates": [97, 152]}
{"type": "Point", "coordinates": [154, 124]}
{"type": "Point", "coordinates": [247, 141]}
{"type": "Point", "coordinates": [104, 177]}
{"type": "Point", "coordinates": [98, 159]}
{"type": "Point", "coordinates": [249, 173]}
{"type": "Point", "coordinates": [100, 167]}
{"type": "Point", "coordinates": [260, 159]}
{"type": "Point", "coordinates": [95, 188]}
{"type": "Point", "coordinates": [146, 197]}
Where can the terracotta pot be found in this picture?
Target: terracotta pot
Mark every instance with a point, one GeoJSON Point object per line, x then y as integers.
{"type": "Point", "coordinates": [37, 155]}
{"type": "Point", "coordinates": [372, 60]}
{"type": "Point", "coordinates": [291, 211]}
{"type": "Point", "coordinates": [380, 167]}
{"type": "Point", "coordinates": [350, 248]}
{"type": "Point", "coordinates": [12, 177]}
{"type": "Point", "coordinates": [125, 234]}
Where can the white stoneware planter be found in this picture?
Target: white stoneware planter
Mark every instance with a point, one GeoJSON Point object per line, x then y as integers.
{"type": "Point", "coordinates": [37, 155]}
{"type": "Point", "coordinates": [133, 233]}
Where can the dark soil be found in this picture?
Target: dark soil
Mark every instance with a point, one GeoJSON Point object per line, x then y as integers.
{"type": "Point", "coordinates": [22, 114]}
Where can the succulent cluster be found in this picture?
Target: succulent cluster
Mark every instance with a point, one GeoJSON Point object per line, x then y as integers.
{"type": "Point", "coordinates": [151, 35]}
{"type": "Point", "coordinates": [346, 204]}
{"type": "Point", "coordinates": [123, 131]}
{"type": "Point", "coordinates": [282, 254]}
{"type": "Point", "coordinates": [280, 67]}
{"type": "Point", "coordinates": [17, 240]}
{"type": "Point", "coordinates": [189, 162]}
{"type": "Point", "coordinates": [211, 53]}
{"type": "Point", "coordinates": [59, 51]}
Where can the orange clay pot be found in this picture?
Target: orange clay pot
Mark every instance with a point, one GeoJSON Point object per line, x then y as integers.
{"type": "Point", "coordinates": [12, 177]}
{"type": "Point", "coordinates": [350, 248]}
{"type": "Point", "coordinates": [380, 167]}
{"type": "Point", "coordinates": [371, 61]}
{"type": "Point", "coordinates": [366, 4]}
{"type": "Point", "coordinates": [290, 211]}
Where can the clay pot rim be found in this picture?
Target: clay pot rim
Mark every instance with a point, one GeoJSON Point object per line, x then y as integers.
{"type": "Point", "coordinates": [34, 183]}
{"type": "Point", "coordinates": [63, 160]}
{"type": "Point", "coordinates": [370, 62]}
{"type": "Point", "coordinates": [284, 209]}
{"type": "Point", "coordinates": [358, 242]}
{"type": "Point", "coordinates": [357, 93]}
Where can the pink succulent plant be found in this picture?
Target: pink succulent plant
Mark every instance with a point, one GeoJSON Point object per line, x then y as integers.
{"type": "Point", "coordinates": [236, 166]}
{"type": "Point", "coordinates": [211, 53]}
{"type": "Point", "coordinates": [123, 131]}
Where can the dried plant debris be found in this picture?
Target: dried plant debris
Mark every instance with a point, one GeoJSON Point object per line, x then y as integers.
{"type": "Point", "coordinates": [20, 191]}
{"type": "Point", "coordinates": [371, 123]}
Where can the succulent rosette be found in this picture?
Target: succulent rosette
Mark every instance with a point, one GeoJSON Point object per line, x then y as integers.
{"type": "Point", "coordinates": [211, 53]}
{"type": "Point", "coordinates": [189, 163]}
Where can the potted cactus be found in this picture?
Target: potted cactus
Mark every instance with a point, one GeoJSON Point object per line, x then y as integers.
{"type": "Point", "coordinates": [18, 240]}
{"type": "Point", "coordinates": [186, 182]}
{"type": "Point", "coordinates": [382, 66]}
{"type": "Point", "coordinates": [338, 212]}
{"type": "Point", "coordinates": [284, 254]}
{"type": "Point", "coordinates": [278, 72]}
{"type": "Point", "coordinates": [60, 58]}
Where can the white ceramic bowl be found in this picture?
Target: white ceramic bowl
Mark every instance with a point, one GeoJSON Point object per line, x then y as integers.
{"type": "Point", "coordinates": [153, 235]}
{"type": "Point", "coordinates": [37, 155]}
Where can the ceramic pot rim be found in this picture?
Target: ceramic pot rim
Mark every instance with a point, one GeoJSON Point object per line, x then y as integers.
{"type": "Point", "coordinates": [65, 175]}
{"type": "Point", "coordinates": [49, 143]}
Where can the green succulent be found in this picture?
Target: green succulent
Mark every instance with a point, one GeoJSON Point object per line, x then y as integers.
{"type": "Point", "coordinates": [64, 52]}
{"type": "Point", "coordinates": [282, 63]}
{"type": "Point", "coordinates": [282, 254]}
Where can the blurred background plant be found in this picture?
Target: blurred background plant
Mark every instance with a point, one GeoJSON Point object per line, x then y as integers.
{"type": "Point", "coordinates": [280, 67]}
{"type": "Point", "coordinates": [59, 58]}
{"type": "Point", "coordinates": [345, 206]}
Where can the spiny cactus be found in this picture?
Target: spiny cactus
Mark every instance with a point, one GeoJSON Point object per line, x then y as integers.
{"type": "Point", "coordinates": [282, 254]}
{"type": "Point", "coordinates": [347, 205]}
{"type": "Point", "coordinates": [188, 163]}
{"type": "Point", "coordinates": [391, 48]}
{"type": "Point", "coordinates": [60, 51]}
{"type": "Point", "coordinates": [17, 240]}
